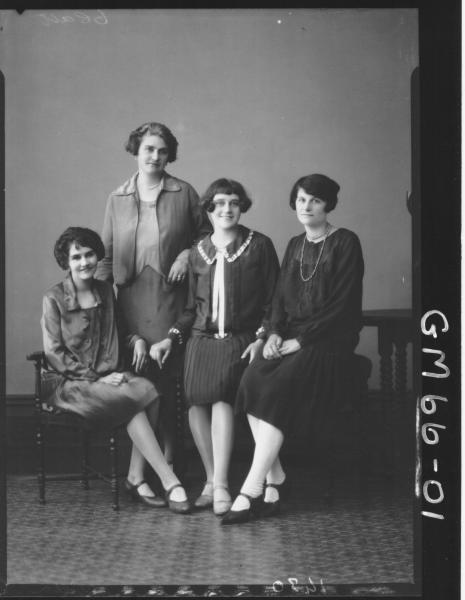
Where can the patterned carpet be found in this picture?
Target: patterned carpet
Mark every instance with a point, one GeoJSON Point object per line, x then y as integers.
{"type": "Point", "coordinates": [364, 537]}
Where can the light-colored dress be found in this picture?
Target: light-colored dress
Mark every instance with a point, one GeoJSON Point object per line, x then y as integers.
{"type": "Point", "coordinates": [82, 345]}
{"type": "Point", "coordinates": [142, 240]}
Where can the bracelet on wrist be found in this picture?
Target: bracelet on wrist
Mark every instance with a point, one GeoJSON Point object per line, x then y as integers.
{"type": "Point", "coordinates": [260, 334]}
{"type": "Point", "coordinates": [175, 335]}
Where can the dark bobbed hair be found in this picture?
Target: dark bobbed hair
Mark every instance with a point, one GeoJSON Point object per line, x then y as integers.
{"type": "Point", "coordinates": [152, 128]}
{"type": "Point", "coordinates": [317, 185]}
{"type": "Point", "coordinates": [225, 186]}
{"type": "Point", "coordinates": [82, 238]}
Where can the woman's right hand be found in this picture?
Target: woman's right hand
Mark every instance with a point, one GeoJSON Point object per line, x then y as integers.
{"type": "Point", "coordinates": [178, 271]}
{"type": "Point", "coordinates": [160, 351]}
{"type": "Point", "coordinates": [139, 356]}
{"type": "Point", "coordinates": [272, 347]}
{"type": "Point", "coordinates": [113, 378]}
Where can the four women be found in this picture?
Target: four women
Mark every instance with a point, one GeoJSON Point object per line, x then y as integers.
{"type": "Point", "coordinates": [217, 291]}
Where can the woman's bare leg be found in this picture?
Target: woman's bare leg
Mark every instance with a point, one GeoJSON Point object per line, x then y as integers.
{"type": "Point", "coordinates": [137, 462]}
{"type": "Point", "coordinates": [276, 473]}
{"type": "Point", "coordinates": [168, 425]}
{"type": "Point", "coordinates": [222, 435]}
{"type": "Point", "coordinates": [143, 437]}
{"type": "Point", "coordinates": [267, 446]}
{"type": "Point", "coordinates": [136, 472]}
{"type": "Point", "coordinates": [200, 425]}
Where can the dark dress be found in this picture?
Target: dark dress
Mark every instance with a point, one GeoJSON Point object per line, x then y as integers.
{"type": "Point", "coordinates": [301, 391]}
{"type": "Point", "coordinates": [213, 366]}
{"type": "Point", "coordinates": [81, 346]}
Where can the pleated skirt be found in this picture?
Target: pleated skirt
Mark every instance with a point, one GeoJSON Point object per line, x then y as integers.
{"type": "Point", "coordinates": [102, 404]}
{"type": "Point", "coordinates": [304, 392]}
{"type": "Point", "coordinates": [213, 368]}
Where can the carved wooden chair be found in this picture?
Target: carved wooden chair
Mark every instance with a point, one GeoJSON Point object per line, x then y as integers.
{"type": "Point", "coordinates": [47, 416]}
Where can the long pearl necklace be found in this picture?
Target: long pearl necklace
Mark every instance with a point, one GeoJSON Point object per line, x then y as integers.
{"type": "Point", "coordinates": [328, 227]}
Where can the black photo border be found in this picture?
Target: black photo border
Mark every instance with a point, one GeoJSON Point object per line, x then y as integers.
{"type": "Point", "coordinates": [436, 211]}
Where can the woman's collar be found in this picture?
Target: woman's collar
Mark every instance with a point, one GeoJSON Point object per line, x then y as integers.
{"type": "Point", "coordinates": [170, 184]}
{"type": "Point", "coordinates": [316, 240]}
{"type": "Point", "coordinates": [233, 250]}
{"type": "Point", "coordinates": [70, 293]}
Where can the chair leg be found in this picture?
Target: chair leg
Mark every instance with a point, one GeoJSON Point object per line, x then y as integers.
{"type": "Point", "coordinates": [114, 471]}
{"type": "Point", "coordinates": [85, 459]}
{"type": "Point", "coordinates": [180, 453]}
{"type": "Point", "coordinates": [40, 461]}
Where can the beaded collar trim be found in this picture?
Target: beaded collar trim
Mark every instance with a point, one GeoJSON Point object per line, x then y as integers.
{"type": "Point", "coordinates": [228, 257]}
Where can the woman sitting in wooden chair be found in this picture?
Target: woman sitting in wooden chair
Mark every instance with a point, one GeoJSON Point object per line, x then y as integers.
{"type": "Point", "coordinates": [81, 343]}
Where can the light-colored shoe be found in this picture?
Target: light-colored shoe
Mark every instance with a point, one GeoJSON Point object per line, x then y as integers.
{"type": "Point", "coordinates": [221, 507]}
{"type": "Point", "coordinates": [205, 500]}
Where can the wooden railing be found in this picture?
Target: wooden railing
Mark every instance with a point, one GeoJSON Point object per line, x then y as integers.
{"type": "Point", "coordinates": [395, 331]}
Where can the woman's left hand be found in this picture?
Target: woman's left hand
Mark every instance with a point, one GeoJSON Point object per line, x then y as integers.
{"type": "Point", "coordinates": [289, 347]}
{"type": "Point", "coordinates": [252, 350]}
{"type": "Point", "coordinates": [178, 271]}
{"type": "Point", "coordinates": [139, 357]}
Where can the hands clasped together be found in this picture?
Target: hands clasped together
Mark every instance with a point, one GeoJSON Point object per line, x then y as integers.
{"type": "Point", "coordinates": [276, 347]}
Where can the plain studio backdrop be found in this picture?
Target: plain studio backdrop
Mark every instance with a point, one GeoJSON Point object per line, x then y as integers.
{"type": "Point", "coordinates": [261, 96]}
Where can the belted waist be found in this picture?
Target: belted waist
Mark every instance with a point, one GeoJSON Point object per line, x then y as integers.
{"type": "Point", "coordinates": [217, 336]}
{"type": "Point", "coordinates": [211, 334]}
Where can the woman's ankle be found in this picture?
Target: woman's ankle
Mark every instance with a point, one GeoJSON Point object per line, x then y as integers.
{"type": "Point", "coordinates": [135, 478]}
{"type": "Point", "coordinates": [276, 476]}
{"type": "Point", "coordinates": [177, 493]}
{"type": "Point", "coordinates": [271, 494]}
{"type": "Point", "coordinates": [221, 491]}
{"type": "Point", "coordinates": [208, 488]}
{"type": "Point", "coordinates": [240, 503]}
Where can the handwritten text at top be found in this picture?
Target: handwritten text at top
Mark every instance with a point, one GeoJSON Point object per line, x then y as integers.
{"type": "Point", "coordinates": [73, 17]}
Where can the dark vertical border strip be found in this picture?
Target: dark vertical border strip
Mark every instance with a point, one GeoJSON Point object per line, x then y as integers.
{"type": "Point", "coordinates": [440, 287]}
{"type": "Point", "coordinates": [3, 557]}
{"type": "Point", "coordinates": [414, 206]}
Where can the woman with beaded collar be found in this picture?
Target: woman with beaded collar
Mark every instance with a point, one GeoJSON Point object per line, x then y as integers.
{"type": "Point", "coordinates": [232, 276]}
{"type": "Point", "coordinates": [304, 374]}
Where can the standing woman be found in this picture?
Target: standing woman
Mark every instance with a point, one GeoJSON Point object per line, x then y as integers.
{"type": "Point", "coordinates": [232, 275]}
{"type": "Point", "coordinates": [150, 223]}
{"type": "Point", "coordinates": [305, 373]}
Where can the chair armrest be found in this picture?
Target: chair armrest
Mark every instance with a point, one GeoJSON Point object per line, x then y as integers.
{"type": "Point", "coordinates": [35, 356]}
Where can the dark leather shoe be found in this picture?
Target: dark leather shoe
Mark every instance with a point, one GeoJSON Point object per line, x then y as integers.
{"type": "Point", "coordinates": [270, 509]}
{"type": "Point", "coordinates": [232, 517]}
{"type": "Point", "coordinates": [183, 507]}
{"type": "Point", "coordinates": [153, 501]}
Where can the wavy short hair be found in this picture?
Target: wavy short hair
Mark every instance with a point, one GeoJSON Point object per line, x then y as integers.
{"type": "Point", "coordinates": [225, 186]}
{"type": "Point", "coordinates": [317, 185]}
{"type": "Point", "coordinates": [82, 238]}
{"type": "Point", "coordinates": [151, 128]}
